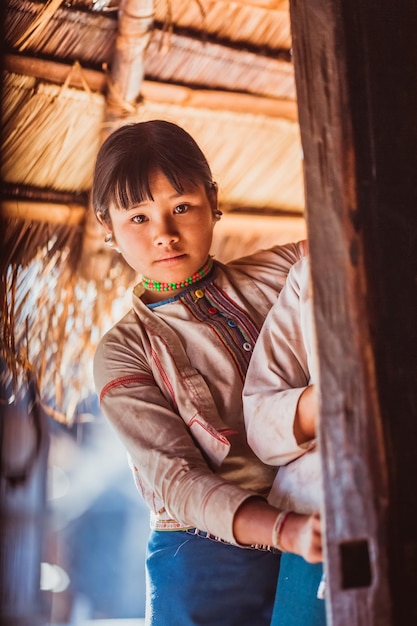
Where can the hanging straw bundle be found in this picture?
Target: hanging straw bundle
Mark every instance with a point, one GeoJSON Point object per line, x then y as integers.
{"type": "Point", "coordinates": [51, 133]}
{"type": "Point", "coordinates": [51, 319]}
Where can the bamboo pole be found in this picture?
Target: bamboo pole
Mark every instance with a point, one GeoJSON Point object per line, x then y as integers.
{"type": "Point", "coordinates": [127, 69]}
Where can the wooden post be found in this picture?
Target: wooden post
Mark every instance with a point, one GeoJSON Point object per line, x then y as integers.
{"type": "Point", "coordinates": [355, 67]}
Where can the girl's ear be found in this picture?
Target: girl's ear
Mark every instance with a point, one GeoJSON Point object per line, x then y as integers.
{"type": "Point", "coordinates": [212, 196]}
{"type": "Point", "coordinates": [103, 222]}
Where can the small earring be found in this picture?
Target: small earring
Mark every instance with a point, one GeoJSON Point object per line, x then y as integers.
{"type": "Point", "coordinates": [217, 214]}
{"type": "Point", "coordinates": [108, 240]}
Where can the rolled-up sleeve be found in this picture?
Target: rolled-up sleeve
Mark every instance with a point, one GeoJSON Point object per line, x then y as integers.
{"type": "Point", "coordinates": [279, 371]}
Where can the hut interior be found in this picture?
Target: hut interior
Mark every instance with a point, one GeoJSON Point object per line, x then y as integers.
{"type": "Point", "coordinates": [72, 71]}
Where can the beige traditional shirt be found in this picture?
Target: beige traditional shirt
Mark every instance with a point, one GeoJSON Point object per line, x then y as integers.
{"type": "Point", "coordinates": [283, 364]}
{"type": "Point", "coordinates": [170, 378]}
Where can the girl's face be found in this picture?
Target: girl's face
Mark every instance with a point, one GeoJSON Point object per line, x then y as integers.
{"type": "Point", "coordinates": [167, 238]}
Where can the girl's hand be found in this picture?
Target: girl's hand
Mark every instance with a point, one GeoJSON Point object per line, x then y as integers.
{"type": "Point", "coordinates": [301, 534]}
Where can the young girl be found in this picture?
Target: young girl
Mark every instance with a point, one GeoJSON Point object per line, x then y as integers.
{"type": "Point", "coordinates": [280, 414]}
{"type": "Point", "coordinates": [170, 376]}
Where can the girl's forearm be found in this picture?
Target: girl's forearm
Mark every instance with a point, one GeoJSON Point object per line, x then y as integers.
{"type": "Point", "coordinates": [255, 523]}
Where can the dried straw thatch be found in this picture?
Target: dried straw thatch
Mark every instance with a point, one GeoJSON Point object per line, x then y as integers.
{"type": "Point", "coordinates": [51, 319]}
{"type": "Point", "coordinates": [64, 34]}
{"type": "Point", "coordinates": [260, 24]}
{"type": "Point", "coordinates": [51, 133]}
{"type": "Point", "coordinates": [188, 60]}
{"type": "Point", "coordinates": [221, 69]}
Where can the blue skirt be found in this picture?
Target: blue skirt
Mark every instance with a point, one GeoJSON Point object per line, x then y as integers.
{"type": "Point", "coordinates": [296, 602]}
{"type": "Point", "coordinates": [195, 581]}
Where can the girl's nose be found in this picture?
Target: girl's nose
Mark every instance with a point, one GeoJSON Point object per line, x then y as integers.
{"type": "Point", "coordinates": [166, 234]}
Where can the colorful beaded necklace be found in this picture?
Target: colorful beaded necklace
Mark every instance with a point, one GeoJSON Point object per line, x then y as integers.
{"type": "Point", "coordinates": [154, 285]}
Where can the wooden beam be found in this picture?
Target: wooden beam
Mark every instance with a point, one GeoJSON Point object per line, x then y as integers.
{"type": "Point", "coordinates": [354, 73]}
{"type": "Point", "coordinates": [154, 91]}
{"type": "Point", "coordinates": [70, 214]}
{"type": "Point", "coordinates": [54, 72]}
{"type": "Point", "coordinates": [220, 100]}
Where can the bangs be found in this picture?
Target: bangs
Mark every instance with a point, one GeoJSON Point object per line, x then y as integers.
{"type": "Point", "coordinates": [133, 181]}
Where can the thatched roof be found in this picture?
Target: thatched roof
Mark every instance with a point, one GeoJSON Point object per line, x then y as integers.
{"type": "Point", "coordinates": [75, 70]}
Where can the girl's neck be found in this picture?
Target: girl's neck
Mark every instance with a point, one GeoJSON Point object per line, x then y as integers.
{"type": "Point", "coordinates": [156, 291]}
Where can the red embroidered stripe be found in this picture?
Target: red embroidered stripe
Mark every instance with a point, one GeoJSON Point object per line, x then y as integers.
{"type": "Point", "coordinates": [224, 432]}
{"type": "Point", "coordinates": [125, 380]}
{"type": "Point", "coordinates": [228, 432]}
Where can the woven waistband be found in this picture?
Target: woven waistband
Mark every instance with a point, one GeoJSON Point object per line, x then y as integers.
{"type": "Point", "coordinates": [206, 535]}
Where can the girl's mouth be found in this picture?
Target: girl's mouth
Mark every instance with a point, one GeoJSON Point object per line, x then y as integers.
{"type": "Point", "coordinates": [171, 260]}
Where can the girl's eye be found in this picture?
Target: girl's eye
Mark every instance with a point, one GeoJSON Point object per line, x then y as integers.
{"type": "Point", "coordinates": [181, 208]}
{"type": "Point", "coordinates": [138, 219]}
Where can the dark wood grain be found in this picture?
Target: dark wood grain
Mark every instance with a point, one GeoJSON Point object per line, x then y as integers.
{"type": "Point", "coordinates": [355, 67]}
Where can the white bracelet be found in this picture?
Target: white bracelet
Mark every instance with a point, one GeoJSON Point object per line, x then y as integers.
{"type": "Point", "coordinates": [277, 529]}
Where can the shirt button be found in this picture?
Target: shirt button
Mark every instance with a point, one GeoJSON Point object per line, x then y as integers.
{"type": "Point", "coordinates": [247, 346]}
{"type": "Point", "coordinates": [212, 310]}
{"type": "Point", "coordinates": [231, 323]}
{"type": "Point", "coordinates": [199, 293]}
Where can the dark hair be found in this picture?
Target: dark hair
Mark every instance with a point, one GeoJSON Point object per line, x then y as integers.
{"type": "Point", "coordinates": [132, 152]}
